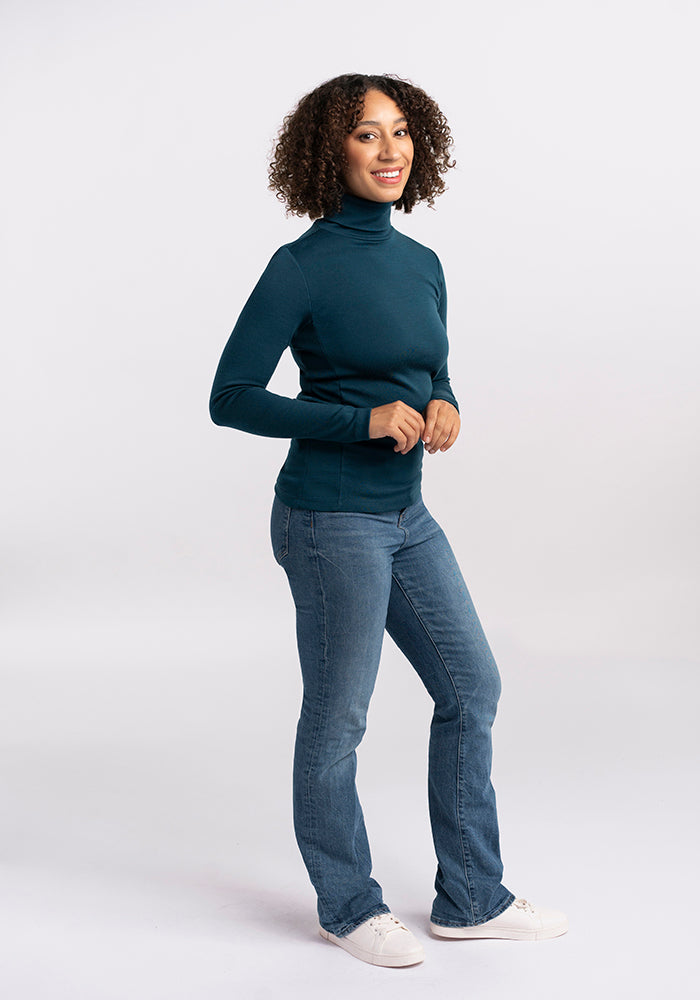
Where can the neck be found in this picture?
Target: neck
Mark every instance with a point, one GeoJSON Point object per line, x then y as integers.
{"type": "Point", "coordinates": [359, 215]}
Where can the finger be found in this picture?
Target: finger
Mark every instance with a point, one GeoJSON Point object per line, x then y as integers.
{"type": "Point", "coordinates": [418, 422]}
{"type": "Point", "coordinates": [411, 437]}
{"type": "Point", "coordinates": [401, 440]}
{"type": "Point", "coordinates": [446, 438]}
{"type": "Point", "coordinates": [429, 429]}
{"type": "Point", "coordinates": [413, 431]}
{"type": "Point", "coordinates": [451, 438]}
{"type": "Point", "coordinates": [413, 428]}
{"type": "Point", "coordinates": [439, 436]}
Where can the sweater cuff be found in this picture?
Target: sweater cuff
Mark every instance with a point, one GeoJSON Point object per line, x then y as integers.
{"type": "Point", "coordinates": [362, 418]}
{"type": "Point", "coordinates": [446, 396]}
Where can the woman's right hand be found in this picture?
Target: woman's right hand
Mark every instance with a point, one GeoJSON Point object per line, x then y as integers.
{"type": "Point", "coordinates": [399, 421]}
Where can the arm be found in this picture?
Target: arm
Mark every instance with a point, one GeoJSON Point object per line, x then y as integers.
{"type": "Point", "coordinates": [277, 307]}
{"type": "Point", "coordinates": [441, 380]}
{"type": "Point", "coordinates": [442, 422]}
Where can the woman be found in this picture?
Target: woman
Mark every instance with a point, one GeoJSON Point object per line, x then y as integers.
{"type": "Point", "coordinates": [363, 309]}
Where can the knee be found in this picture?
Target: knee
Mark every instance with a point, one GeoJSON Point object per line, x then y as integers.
{"type": "Point", "coordinates": [473, 692]}
{"type": "Point", "coordinates": [331, 734]}
{"type": "Point", "coordinates": [493, 685]}
{"type": "Point", "coordinates": [487, 690]}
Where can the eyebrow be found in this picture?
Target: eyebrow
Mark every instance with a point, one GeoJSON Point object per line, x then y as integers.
{"type": "Point", "coordinates": [379, 124]}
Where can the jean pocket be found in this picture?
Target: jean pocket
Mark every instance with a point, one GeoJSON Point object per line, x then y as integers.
{"type": "Point", "coordinates": [279, 529]}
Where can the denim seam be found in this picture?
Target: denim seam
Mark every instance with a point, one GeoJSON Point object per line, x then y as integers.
{"type": "Point", "coordinates": [284, 551]}
{"type": "Point", "coordinates": [319, 725]}
{"type": "Point", "coordinates": [465, 849]}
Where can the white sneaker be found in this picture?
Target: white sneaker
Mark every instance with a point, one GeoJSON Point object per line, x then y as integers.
{"type": "Point", "coordinates": [381, 940]}
{"type": "Point", "coordinates": [520, 922]}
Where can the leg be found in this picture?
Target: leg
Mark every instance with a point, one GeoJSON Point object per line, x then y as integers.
{"type": "Point", "coordinates": [432, 620]}
{"type": "Point", "coordinates": [339, 570]}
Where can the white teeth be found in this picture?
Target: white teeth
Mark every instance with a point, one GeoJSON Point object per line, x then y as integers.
{"type": "Point", "coordinates": [386, 173]}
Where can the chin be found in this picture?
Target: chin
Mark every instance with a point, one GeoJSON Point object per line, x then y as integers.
{"type": "Point", "coordinates": [390, 194]}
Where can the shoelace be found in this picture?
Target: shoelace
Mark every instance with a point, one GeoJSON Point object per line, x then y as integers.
{"type": "Point", "coordinates": [385, 922]}
{"type": "Point", "coordinates": [523, 904]}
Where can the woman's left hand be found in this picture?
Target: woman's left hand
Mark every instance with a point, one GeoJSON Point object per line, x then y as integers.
{"type": "Point", "coordinates": [442, 425]}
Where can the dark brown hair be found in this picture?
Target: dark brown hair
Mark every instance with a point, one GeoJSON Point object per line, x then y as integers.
{"type": "Point", "coordinates": [308, 158]}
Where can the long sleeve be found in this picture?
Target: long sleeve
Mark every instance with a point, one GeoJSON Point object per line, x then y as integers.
{"type": "Point", "coordinates": [277, 307]}
{"type": "Point", "coordinates": [362, 309]}
{"type": "Point", "coordinates": [441, 380]}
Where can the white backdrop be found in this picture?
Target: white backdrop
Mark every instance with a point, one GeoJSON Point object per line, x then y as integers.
{"type": "Point", "coordinates": [150, 674]}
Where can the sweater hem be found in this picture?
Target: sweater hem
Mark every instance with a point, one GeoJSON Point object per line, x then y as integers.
{"type": "Point", "coordinates": [351, 505]}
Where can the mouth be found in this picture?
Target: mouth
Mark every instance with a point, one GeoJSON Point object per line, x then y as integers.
{"type": "Point", "coordinates": [394, 176]}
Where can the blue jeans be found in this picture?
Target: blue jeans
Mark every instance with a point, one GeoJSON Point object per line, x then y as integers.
{"type": "Point", "coordinates": [352, 575]}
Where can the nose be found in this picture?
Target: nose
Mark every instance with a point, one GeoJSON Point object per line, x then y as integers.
{"type": "Point", "coordinates": [390, 150]}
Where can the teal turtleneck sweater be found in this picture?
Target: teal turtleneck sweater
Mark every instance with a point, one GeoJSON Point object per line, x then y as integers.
{"type": "Point", "coordinates": [363, 309]}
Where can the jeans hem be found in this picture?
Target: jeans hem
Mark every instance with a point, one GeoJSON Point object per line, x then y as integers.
{"type": "Point", "coordinates": [495, 912]}
{"type": "Point", "coordinates": [347, 928]}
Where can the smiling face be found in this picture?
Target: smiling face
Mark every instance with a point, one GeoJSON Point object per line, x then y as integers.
{"type": "Point", "coordinates": [379, 151]}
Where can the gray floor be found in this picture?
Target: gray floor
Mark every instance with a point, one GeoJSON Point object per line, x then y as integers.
{"type": "Point", "coordinates": [148, 847]}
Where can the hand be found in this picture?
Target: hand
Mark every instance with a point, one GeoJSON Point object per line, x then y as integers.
{"type": "Point", "coordinates": [442, 426]}
{"type": "Point", "coordinates": [399, 421]}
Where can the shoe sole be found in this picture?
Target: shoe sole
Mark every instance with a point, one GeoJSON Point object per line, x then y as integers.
{"type": "Point", "coordinates": [387, 961]}
{"type": "Point", "coordinates": [505, 933]}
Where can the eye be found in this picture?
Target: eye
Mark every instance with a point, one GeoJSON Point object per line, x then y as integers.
{"type": "Point", "coordinates": [366, 135]}
{"type": "Point", "coordinates": [401, 132]}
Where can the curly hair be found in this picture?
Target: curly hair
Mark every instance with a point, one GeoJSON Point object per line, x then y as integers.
{"type": "Point", "coordinates": [308, 159]}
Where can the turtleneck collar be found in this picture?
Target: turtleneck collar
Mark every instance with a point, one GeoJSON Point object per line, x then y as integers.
{"type": "Point", "coordinates": [360, 217]}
